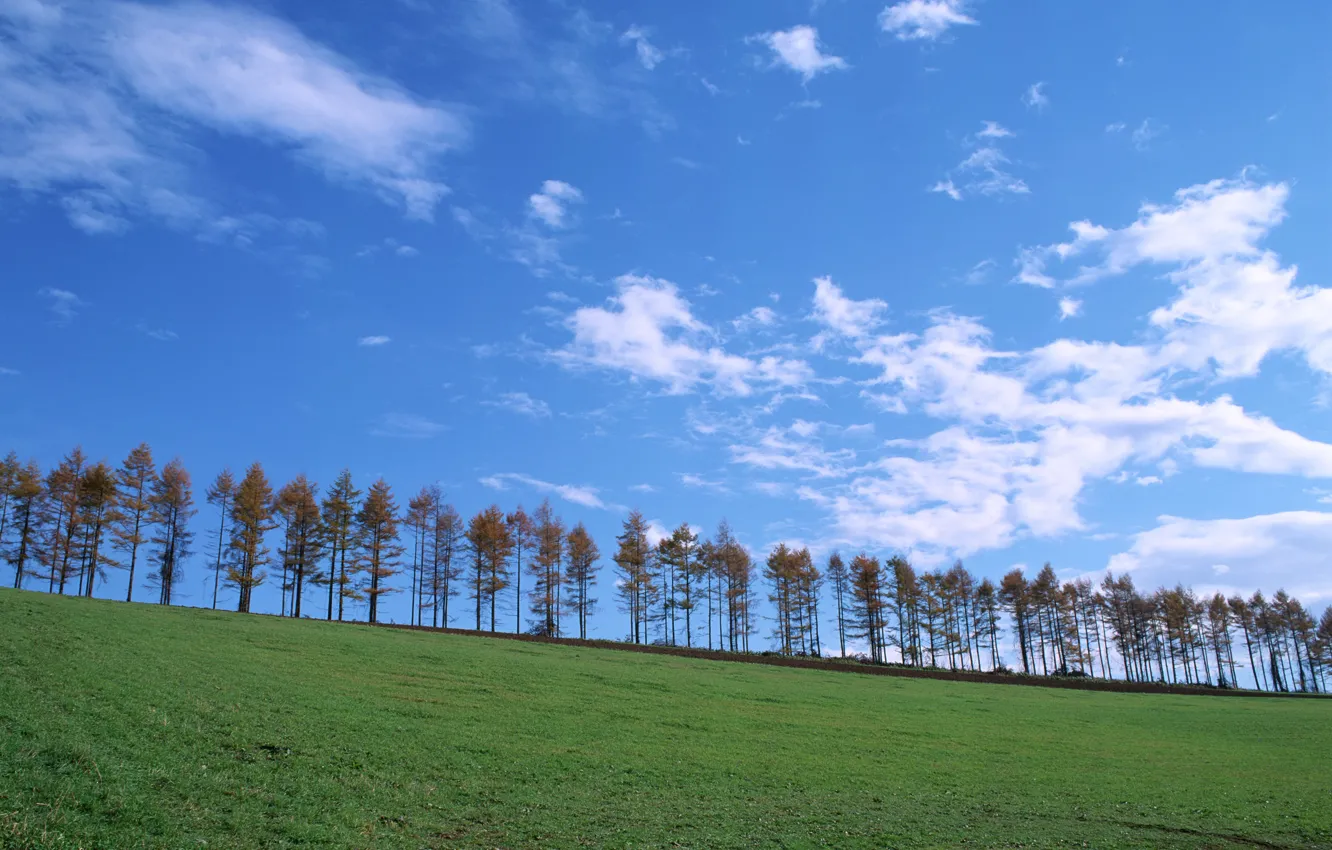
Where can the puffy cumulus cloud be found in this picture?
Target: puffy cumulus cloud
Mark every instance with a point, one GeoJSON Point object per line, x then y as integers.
{"type": "Point", "coordinates": [844, 316]}
{"type": "Point", "coordinates": [799, 50]}
{"type": "Point", "coordinates": [1027, 432]}
{"type": "Point", "coordinates": [551, 204]}
{"type": "Point", "coordinates": [1235, 302]}
{"type": "Point", "coordinates": [1271, 551]}
{"type": "Point", "coordinates": [648, 330]}
{"type": "Point", "coordinates": [1069, 307]}
{"type": "Point", "coordinates": [923, 20]}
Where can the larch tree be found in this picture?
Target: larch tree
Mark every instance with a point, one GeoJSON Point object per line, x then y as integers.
{"type": "Point", "coordinates": [220, 495]}
{"type": "Point", "coordinates": [489, 546]}
{"type": "Point", "coordinates": [679, 553]}
{"type": "Point", "coordinates": [635, 578]}
{"type": "Point", "coordinates": [251, 520]}
{"type": "Point", "coordinates": [135, 479]}
{"type": "Point", "coordinates": [337, 533]}
{"type": "Point", "coordinates": [25, 510]}
{"type": "Point", "coordinates": [9, 472]}
{"type": "Point", "coordinates": [523, 534]}
{"type": "Point", "coordinates": [97, 505]}
{"type": "Point", "coordinates": [420, 510]}
{"type": "Point", "coordinates": [298, 508]}
{"type": "Point", "coordinates": [446, 536]}
{"type": "Point", "coordinates": [171, 507]}
{"type": "Point", "coordinates": [61, 520]}
{"type": "Point", "coordinates": [581, 575]}
{"type": "Point", "coordinates": [867, 605]}
{"type": "Point", "coordinates": [839, 579]}
{"type": "Point", "coordinates": [417, 518]}
{"type": "Point", "coordinates": [546, 566]}
{"type": "Point", "coordinates": [377, 527]}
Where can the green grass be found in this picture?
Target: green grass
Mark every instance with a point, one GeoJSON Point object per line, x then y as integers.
{"type": "Point", "coordinates": [137, 726]}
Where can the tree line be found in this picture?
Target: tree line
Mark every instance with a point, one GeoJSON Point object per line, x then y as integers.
{"type": "Point", "coordinates": [63, 529]}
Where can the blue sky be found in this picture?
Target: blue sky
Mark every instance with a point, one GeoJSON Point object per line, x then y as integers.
{"type": "Point", "coordinates": [1004, 282]}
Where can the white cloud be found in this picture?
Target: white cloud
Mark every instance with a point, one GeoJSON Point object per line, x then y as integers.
{"type": "Point", "coordinates": [1116, 127]}
{"type": "Point", "coordinates": [159, 334]}
{"type": "Point", "coordinates": [648, 56]}
{"type": "Point", "coordinates": [587, 497]}
{"type": "Point", "coordinates": [405, 426]}
{"type": "Point", "coordinates": [101, 98]}
{"type": "Point", "coordinates": [643, 488]}
{"type": "Point", "coordinates": [63, 303]}
{"type": "Point", "coordinates": [690, 479]}
{"type": "Point", "coordinates": [799, 49]}
{"type": "Point", "coordinates": [1069, 307]}
{"type": "Point", "coordinates": [551, 204]}
{"type": "Point", "coordinates": [649, 331]}
{"type": "Point", "coordinates": [844, 316]}
{"type": "Point", "coordinates": [1028, 431]}
{"type": "Point", "coordinates": [391, 245]}
{"type": "Point", "coordinates": [522, 404]}
{"type": "Point", "coordinates": [925, 20]}
{"type": "Point", "coordinates": [1035, 96]}
{"type": "Point", "coordinates": [1145, 133]}
{"type": "Point", "coordinates": [984, 171]}
{"type": "Point", "coordinates": [371, 341]}
{"type": "Point", "coordinates": [758, 317]}
{"type": "Point", "coordinates": [1271, 551]}
{"type": "Point", "coordinates": [947, 187]}
{"type": "Point", "coordinates": [244, 72]}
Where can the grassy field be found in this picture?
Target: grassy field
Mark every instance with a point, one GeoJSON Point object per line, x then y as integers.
{"type": "Point", "coordinates": [137, 726]}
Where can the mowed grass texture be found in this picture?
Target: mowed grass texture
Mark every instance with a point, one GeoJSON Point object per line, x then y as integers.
{"type": "Point", "coordinates": [139, 726]}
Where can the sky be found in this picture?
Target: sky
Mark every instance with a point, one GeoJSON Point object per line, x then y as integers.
{"type": "Point", "coordinates": [1011, 283]}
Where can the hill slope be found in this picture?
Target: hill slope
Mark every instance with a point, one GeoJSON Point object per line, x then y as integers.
{"type": "Point", "coordinates": [139, 726]}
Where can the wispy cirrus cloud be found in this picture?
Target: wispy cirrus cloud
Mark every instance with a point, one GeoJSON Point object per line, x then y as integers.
{"type": "Point", "coordinates": [64, 304]}
{"type": "Point", "coordinates": [373, 341]}
{"type": "Point", "coordinates": [522, 404]}
{"type": "Point", "coordinates": [408, 426]}
{"type": "Point", "coordinates": [583, 496]}
{"type": "Point", "coordinates": [105, 100]}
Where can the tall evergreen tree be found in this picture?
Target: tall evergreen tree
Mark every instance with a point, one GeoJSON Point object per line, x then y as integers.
{"type": "Point", "coordinates": [635, 579]}
{"type": "Point", "coordinates": [581, 575]}
{"type": "Point", "coordinates": [489, 545]}
{"type": "Point", "coordinates": [220, 494]}
{"type": "Point", "coordinates": [25, 511]}
{"type": "Point", "coordinates": [9, 473]}
{"type": "Point", "coordinates": [446, 538]}
{"type": "Point", "coordinates": [377, 526]}
{"type": "Point", "coordinates": [171, 507]}
{"type": "Point", "coordinates": [420, 512]}
{"type": "Point", "coordinates": [301, 552]}
{"type": "Point", "coordinates": [547, 570]}
{"type": "Point", "coordinates": [251, 520]}
{"type": "Point", "coordinates": [523, 534]}
{"type": "Point", "coordinates": [840, 581]}
{"type": "Point", "coordinates": [98, 510]}
{"type": "Point", "coordinates": [338, 535]}
{"type": "Point", "coordinates": [135, 478]}
{"type": "Point", "coordinates": [61, 520]}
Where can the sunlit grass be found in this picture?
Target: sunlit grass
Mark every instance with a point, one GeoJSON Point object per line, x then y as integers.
{"type": "Point", "coordinates": [138, 726]}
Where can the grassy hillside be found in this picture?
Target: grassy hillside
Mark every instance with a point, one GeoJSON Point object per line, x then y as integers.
{"type": "Point", "coordinates": [136, 726]}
